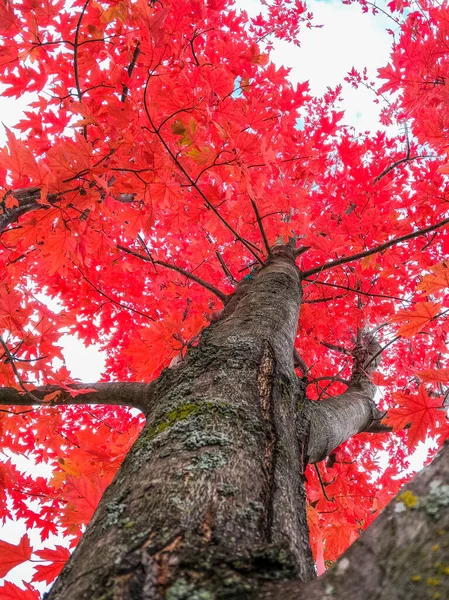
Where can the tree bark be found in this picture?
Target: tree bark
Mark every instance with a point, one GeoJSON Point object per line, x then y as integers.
{"type": "Point", "coordinates": [403, 555]}
{"type": "Point", "coordinates": [210, 501]}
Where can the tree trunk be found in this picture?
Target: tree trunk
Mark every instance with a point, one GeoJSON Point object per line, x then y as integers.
{"type": "Point", "coordinates": [210, 501]}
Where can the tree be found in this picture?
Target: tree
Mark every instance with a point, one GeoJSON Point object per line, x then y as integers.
{"type": "Point", "coordinates": [173, 198]}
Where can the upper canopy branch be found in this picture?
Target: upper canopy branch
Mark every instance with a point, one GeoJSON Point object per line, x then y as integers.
{"type": "Point", "coordinates": [346, 259]}
{"type": "Point", "coordinates": [220, 295]}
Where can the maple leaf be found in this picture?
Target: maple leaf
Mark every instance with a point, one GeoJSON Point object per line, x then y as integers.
{"type": "Point", "coordinates": [438, 375]}
{"type": "Point", "coordinates": [421, 412]}
{"type": "Point", "coordinates": [393, 79]}
{"type": "Point", "coordinates": [417, 318]}
{"type": "Point", "coordinates": [10, 591]}
{"type": "Point", "coordinates": [437, 280]}
{"type": "Point", "coordinates": [12, 555]}
{"type": "Point", "coordinates": [57, 557]}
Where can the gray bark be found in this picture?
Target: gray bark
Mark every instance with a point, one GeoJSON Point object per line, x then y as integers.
{"type": "Point", "coordinates": [403, 555]}
{"type": "Point", "coordinates": [137, 395]}
{"type": "Point", "coordinates": [210, 503]}
{"type": "Point", "coordinates": [335, 420]}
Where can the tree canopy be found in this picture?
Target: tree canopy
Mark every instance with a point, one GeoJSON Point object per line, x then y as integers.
{"type": "Point", "coordinates": [162, 158]}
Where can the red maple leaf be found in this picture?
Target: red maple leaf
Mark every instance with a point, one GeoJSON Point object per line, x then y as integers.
{"type": "Point", "coordinates": [12, 555]}
{"type": "Point", "coordinates": [10, 591]}
{"type": "Point", "coordinates": [420, 412]}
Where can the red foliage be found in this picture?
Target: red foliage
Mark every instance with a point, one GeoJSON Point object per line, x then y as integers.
{"type": "Point", "coordinates": [156, 128]}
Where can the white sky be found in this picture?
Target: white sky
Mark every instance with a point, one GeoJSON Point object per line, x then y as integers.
{"type": "Point", "coordinates": [348, 39]}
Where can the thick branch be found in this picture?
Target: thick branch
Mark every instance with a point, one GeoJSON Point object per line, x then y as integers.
{"type": "Point", "coordinates": [335, 420]}
{"type": "Point", "coordinates": [403, 555]}
{"type": "Point", "coordinates": [126, 393]}
{"type": "Point", "coordinates": [28, 199]}
{"type": "Point", "coordinates": [375, 250]}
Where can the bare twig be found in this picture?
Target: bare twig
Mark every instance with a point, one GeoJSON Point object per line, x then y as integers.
{"type": "Point", "coordinates": [322, 484]}
{"type": "Point", "coordinates": [335, 347]}
{"type": "Point", "coordinates": [357, 291]}
{"type": "Point", "coordinates": [112, 300]}
{"type": "Point", "coordinates": [14, 368]}
{"type": "Point", "coordinates": [225, 268]}
{"type": "Point", "coordinates": [75, 51]}
{"type": "Point", "coordinates": [131, 66]}
{"type": "Point", "coordinates": [298, 361]}
{"type": "Point", "coordinates": [406, 159]}
{"type": "Point", "coordinates": [324, 299]}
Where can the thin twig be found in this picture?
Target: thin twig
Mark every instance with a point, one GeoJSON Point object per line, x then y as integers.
{"type": "Point", "coordinates": [75, 54]}
{"type": "Point", "coordinates": [220, 295]}
{"type": "Point", "coordinates": [250, 247]}
{"type": "Point", "coordinates": [131, 66]}
{"type": "Point", "coordinates": [112, 300]}
{"type": "Point", "coordinates": [298, 361]}
{"type": "Point", "coordinates": [16, 372]}
{"type": "Point", "coordinates": [350, 289]}
{"type": "Point", "coordinates": [261, 227]}
{"type": "Point", "coordinates": [225, 268]}
{"type": "Point", "coordinates": [400, 162]}
{"type": "Point", "coordinates": [324, 299]}
{"type": "Point", "coordinates": [322, 484]}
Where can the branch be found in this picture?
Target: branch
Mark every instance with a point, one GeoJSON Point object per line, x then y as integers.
{"type": "Point", "coordinates": [261, 227]}
{"type": "Point", "coordinates": [130, 70]}
{"type": "Point", "coordinates": [356, 291]}
{"type": "Point", "coordinates": [375, 250]}
{"type": "Point", "coordinates": [218, 293]}
{"type": "Point", "coordinates": [402, 555]}
{"type": "Point", "coordinates": [126, 393]}
{"type": "Point", "coordinates": [400, 162]}
{"type": "Point", "coordinates": [28, 199]}
{"type": "Point", "coordinates": [11, 360]}
{"type": "Point", "coordinates": [225, 268]}
{"type": "Point", "coordinates": [298, 362]}
{"type": "Point", "coordinates": [324, 299]}
{"type": "Point", "coordinates": [250, 247]}
{"type": "Point", "coordinates": [112, 300]}
{"type": "Point", "coordinates": [335, 420]}
{"type": "Point", "coordinates": [75, 51]}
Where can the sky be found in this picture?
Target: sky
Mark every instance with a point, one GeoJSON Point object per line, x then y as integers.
{"type": "Point", "coordinates": [347, 39]}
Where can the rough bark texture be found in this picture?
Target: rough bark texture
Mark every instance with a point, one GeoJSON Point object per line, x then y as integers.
{"type": "Point", "coordinates": [404, 555]}
{"type": "Point", "coordinates": [209, 503]}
